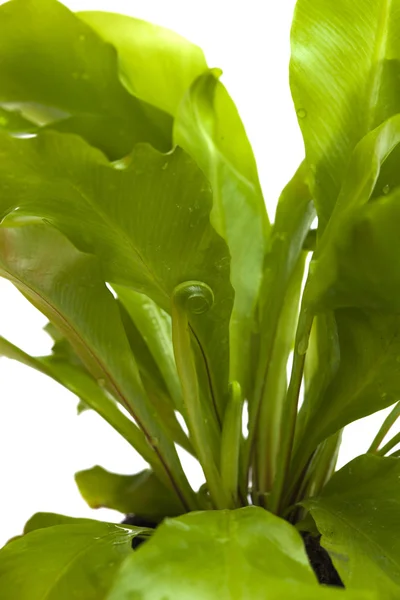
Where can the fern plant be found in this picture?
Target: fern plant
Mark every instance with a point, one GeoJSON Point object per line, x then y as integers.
{"type": "Point", "coordinates": [132, 217]}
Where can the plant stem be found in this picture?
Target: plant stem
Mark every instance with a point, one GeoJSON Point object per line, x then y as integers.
{"type": "Point", "coordinates": [269, 430]}
{"type": "Point", "coordinates": [324, 465]}
{"type": "Point", "coordinates": [289, 415]}
{"type": "Point", "coordinates": [231, 442]}
{"type": "Point", "coordinates": [385, 428]}
{"type": "Point", "coordinates": [185, 297]}
{"type": "Point", "coordinates": [390, 445]}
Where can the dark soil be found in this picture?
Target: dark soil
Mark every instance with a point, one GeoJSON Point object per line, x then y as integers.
{"type": "Point", "coordinates": [321, 561]}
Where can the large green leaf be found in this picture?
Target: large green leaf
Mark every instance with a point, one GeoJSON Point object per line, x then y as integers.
{"type": "Point", "coordinates": [355, 284]}
{"type": "Point", "coordinates": [42, 520]}
{"type": "Point", "coordinates": [345, 81]}
{"type": "Point", "coordinates": [209, 128]}
{"type": "Point", "coordinates": [234, 555]}
{"type": "Point", "coordinates": [64, 561]}
{"type": "Point", "coordinates": [66, 285]}
{"type": "Point", "coordinates": [241, 552]}
{"type": "Point", "coordinates": [358, 515]}
{"type": "Point", "coordinates": [59, 62]}
{"type": "Point", "coordinates": [141, 494]}
{"type": "Point", "coordinates": [156, 64]}
{"type": "Point", "coordinates": [148, 223]}
{"type": "Point", "coordinates": [366, 380]}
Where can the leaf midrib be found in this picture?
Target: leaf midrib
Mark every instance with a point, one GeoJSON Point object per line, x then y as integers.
{"type": "Point", "coordinates": [120, 232]}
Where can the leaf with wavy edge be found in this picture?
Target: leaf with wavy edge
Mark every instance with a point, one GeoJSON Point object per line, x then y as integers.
{"type": "Point", "coordinates": [66, 285]}
{"type": "Point", "coordinates": [61, 63]}
{"type": "Point", "coordinates": [344, 75]}
{"type": "Point", "coordinates": [141, 494]}
{"type": "Point", "coordinates": [147, 220]}
{"type": "Point", "coordinates": [156, 64]}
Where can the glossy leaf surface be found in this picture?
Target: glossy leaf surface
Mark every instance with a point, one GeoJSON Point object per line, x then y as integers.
{"type": "Point", "coordinates": [154, 325]}
{"type": "Point", "coordinates": [209, 128]}
{"type": "Point", "coordinates": [355, 278]}
{"type": "Point", "coordinates": [367, 378]}
{"type": "Point", "coordinates": [345, 82]}
{"type": "Point", "coordinates": [41, 520]}
{"type": "Point", "coordinates": [156, 64]}
{"type": "Point", "coordinates": [152, 378]}
{"type": "Point", "coordinates": [141, 494]}
{"type": "Point", "coordinates": [66, 285]}
{"type": "Point", "coordinates": [59, 62]}
{"type": "Point", "coordinates": [228, 555]}
{"type": "Point", "coordinates": [358, 516]}
{"type": "Point", "coordinates": [64, 561]}
{"type": "Point", "coordinates": [146, 247]}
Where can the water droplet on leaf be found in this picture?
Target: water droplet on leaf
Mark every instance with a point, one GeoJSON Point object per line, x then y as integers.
{"type": "Point", "coordinates": [303, 346]}
{"type": "Point", "coordinates": [386, 189]}
{"type": "Point", "coordinates": [302, 113]}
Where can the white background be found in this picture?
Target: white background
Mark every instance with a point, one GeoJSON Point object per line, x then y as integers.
{"type": "Point", "coordinates": [42, 441]}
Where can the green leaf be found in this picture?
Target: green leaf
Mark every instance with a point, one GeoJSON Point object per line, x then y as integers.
{"type": "Point", "coordinates": [154, 325]}
{"type": "Point", "coordinates": [112, 135]}
{"type": "Point", "coordinates": [366, 380]}
{"type": "Point", "coordinates": [42, 520]}
{"type": "Point", "coordinates": [248, 553]}
{"type": "Point", "coordinates": [345, 82]}
{"type": "Point", "coordinates": [13, 122]}
{"type": "Point", "coordinates": [361, 230]}
{"type": "Point", "coordinates": [66, 285]}
{"type": "Point", "coordinates": [59, 62]}
{"type": "Point", "coordinates": [156, 64]}
{"type": "Point", "coordinates": [238, 550]}
{"type": "Point", "coordinates": [358, 517]}
{"type": "Point", "coordinates": [166, 240]}
{"type": "Point", "coordinates": [355, 274]}
{"type": "Point", "coordinates": [209, 128]}
{"type": "Point", "coordinates": [141, 494]}
{"type": "Point", "coordinates": [64, 561]}
{"type": "Point", "coordinates": [62, 349]}
{"type": "Point", "coordinates": [152, 379]}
